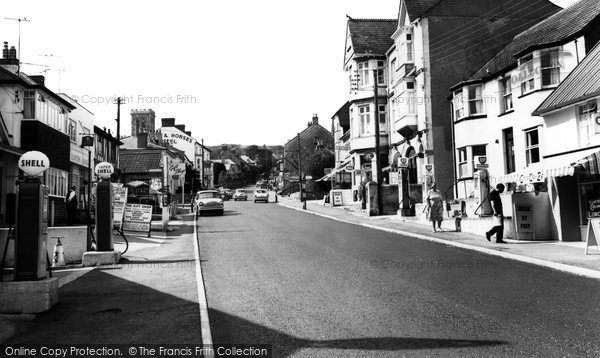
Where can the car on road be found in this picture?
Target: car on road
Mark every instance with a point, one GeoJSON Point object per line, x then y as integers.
{"type": "Point", "coordinates": [261, 195]}
{"type": "Point", "coordinates": [226, 194]}
{"type": "Point", "coordinates": [240, 194]}
{"type": "Point", "coordinates": [208, 201]}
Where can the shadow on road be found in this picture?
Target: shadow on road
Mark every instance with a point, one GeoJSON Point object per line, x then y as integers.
{"type": "Point", "coordinates": [224, 326]}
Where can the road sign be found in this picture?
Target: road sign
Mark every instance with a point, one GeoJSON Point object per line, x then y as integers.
{"type": "Point", "coordinates": [104, 170]}
{"type": "Point", "coordinates": [34, 163]}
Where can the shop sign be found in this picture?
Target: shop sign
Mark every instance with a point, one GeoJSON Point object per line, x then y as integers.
{"type": "Point", "coordinates": [104, 170]}
{"type": "Point", "coordinates": [119, 201]}
{"type": "Point", "coordinates": [593, 208]}
{"type": "Point", "coordinates": [524, 218]}
{"type": "Point", "coordinates": [34, 163]}
{"type": "Point", "coordinates": [87, 141]}
{"type": "Point", "coordinates": [532, 178]}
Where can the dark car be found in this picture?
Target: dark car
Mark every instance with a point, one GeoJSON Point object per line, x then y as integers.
{"type": "Point", "coordinates": [226, 194]}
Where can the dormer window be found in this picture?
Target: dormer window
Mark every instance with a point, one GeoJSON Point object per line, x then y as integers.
{"type": "Point", "coordinates": [468, 101]}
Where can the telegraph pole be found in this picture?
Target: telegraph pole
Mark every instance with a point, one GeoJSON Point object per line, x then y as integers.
{"type": "Point", "coordinates": [119, 102]}
{"type": "Point", "coordinates": [300, 173]}
{"type": "Point", "coordinates": [377, 151]}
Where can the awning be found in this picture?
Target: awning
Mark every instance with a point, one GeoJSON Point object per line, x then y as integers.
{"type": "Point", "coordinates": [558, 166]}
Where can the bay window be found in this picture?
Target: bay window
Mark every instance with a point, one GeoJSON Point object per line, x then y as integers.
{"type": "Point", "coordinates": [459, 111]}
{"type": "Point", "coordinates": [380, 73]}
{"type": "Point", "coordinates": [475, 100]}
{"type": "Point", "coordinates": [364, 114]}
{"type": "Point", "coordinates": [364, 74]}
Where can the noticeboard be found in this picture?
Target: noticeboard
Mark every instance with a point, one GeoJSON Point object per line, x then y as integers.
{"type": "Point", "coordinates": [593, 234]}
{"type": "Point", "coordinates": [119, 201]}
{"type": "Point", "coordinates": [337, 198]}
{"type": "Point", "coordinates": [138, 217]}
{"type": "Point", "coordinates": [523, 218]}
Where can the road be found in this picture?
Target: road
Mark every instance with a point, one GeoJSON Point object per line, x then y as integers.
{"type": "Point", "coordinates": [315, 287]}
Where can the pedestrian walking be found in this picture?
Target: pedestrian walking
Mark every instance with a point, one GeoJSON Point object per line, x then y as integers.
{"type": "Point", "coordinates": [498, 228]}
{"type": "Point", "coordinates": [435, 207]}
{"type": "Point", "coordinates": [71, 201]}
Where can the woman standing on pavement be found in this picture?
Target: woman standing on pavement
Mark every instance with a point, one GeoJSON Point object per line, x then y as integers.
{"type": "Point", "coordinates": [435, 207]}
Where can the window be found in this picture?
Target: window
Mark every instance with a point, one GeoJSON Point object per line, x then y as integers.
{"type": "Point", "coordinates": [393, 110]}
{"type": "Point", "coordinates": [550, 67]}
{"type": "Point", "coordinates": [380, 73]}
{"type": "Point", "coordinates": [363, 73]}
{"type": "Point", "coordinates": [526, 74]}
{"type": "Point", "coordinates": [392, 71]}
{"type": "Point", "coordinates": [532, 146]}
{"type": "Point", "coordinates": [29, 105]}
{"type": "Point", "coordinates": [588, 126]}
{"type": "Point", "coordinates": [382, 114]}
{"type": "Point", "coordinates": [365, 119]}
{"type": "Point", "coordinates": [100, 146]}
{"type": "Point", "coordinates": [463, 163]}
{"type": "Point", "coordinates": [509, 150]}
{"type": "Point", "coordinates": [475, 100]}
{"type": "Point", "coordinates": [409, 48]}
{"type": "Point", "coordinates": [459, 111]}
{"type": "Point", "coordinates": [411, 98]}
{"type": "Point", "coordinates": [56, 180]}
{"type": "Point", "coordinates": [73, 131]}
{"type": "Point", "coordinates": [506, 93]}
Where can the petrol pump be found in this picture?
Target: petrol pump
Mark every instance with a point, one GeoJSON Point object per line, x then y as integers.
{"type": "Point", "coordinates": [31, 225]}
{"type": "Point", "coordinates": [403, 187]}
{"type": "Point", "coordinates": [481, 186]}
{"type": "Point", "coordinates": [104, 208]}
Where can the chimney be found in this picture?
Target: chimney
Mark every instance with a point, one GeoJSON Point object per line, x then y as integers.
{"type": "Point", "coordinates": [39, 79]}
{"type": "Point", "coordinates": [181, 127]}
{"type": "Point", "coordinates": [315, 119]}
{"type": "Point", "coordinates": [142, 140]}
{"type": "Point", "coordinates": [167, 122]}
{"type": "Point", "coordinates": [9, 59]}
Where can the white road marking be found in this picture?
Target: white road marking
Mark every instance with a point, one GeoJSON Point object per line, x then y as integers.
{"type": "Point", "coordinates": [202, 303]}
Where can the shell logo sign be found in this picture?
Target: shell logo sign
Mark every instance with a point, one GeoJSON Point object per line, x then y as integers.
{"type": "Point", "coordinates": [104, 170]}
{"type": "Point", "coordinates": [34, 163]}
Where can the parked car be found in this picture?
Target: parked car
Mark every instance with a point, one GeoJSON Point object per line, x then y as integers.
{"type": "Point", "coordinates": [208, 201]}
{"type": "Point", "coordinates": [240, 194]}
{"type": "Point", "coordinates": [226, 194]}
{"type": "Point", "coordinates": [261, 195]}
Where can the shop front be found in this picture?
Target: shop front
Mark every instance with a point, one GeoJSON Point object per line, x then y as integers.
{"type": "Point", "coordinates": [562, 192]}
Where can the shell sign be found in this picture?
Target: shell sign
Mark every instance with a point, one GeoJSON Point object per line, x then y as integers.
{"type": "Point", "coordinates": [34, 163]}
{"type": "Point", "coordinates": [104, 170]}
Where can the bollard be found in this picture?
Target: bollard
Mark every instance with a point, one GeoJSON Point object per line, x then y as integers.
{"type": "Point", "coordinates": [59, 254]}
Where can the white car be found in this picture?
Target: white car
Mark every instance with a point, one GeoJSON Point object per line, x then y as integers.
{"type": "Point", "coordinates": [240, 194]}
{"type": "Point", "coordinates": [261, 195]}
{"type": "Point", "coordinates": [208, 201]}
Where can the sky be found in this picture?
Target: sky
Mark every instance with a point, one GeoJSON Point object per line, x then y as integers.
{"type": "Point", "coordinates": [236, 71]}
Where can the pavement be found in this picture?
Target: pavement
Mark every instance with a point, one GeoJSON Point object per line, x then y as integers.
{"type": "Point", "coordinates": [149, 297]}
{"type": "Point", "coordinates": [568, 257]}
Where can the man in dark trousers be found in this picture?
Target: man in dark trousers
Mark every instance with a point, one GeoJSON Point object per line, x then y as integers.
{"type": "Point", "coordinates": [496, 202]}
{"type": "Point", "coordinates": [71, 201]}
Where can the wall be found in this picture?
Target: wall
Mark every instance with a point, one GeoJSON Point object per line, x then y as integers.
{"type": "Point", "coordinates": [73, 238]}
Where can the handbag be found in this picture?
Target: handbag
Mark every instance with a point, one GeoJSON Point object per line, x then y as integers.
{"type": "Point", "coordinates": [497, 220]}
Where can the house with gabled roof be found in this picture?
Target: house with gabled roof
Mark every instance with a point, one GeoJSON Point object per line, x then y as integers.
{"type": "Point", "coordinates": [437, 44]}
{"type": "Point", "coordinates": [496, 114]}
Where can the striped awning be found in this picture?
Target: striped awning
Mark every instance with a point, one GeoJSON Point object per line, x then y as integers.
{"type": "Point", "coordinates": [558, 166]}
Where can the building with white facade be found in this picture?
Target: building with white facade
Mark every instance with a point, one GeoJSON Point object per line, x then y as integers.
{"type": "Point", "coordinates": [492, 118]}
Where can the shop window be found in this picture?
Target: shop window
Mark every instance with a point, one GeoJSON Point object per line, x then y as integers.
{"type": "Point", "coordinates": [589, 201]}
{"type": "Point", "coordinates": [463, 163]}
{"type": "Point", "coordinates": [56, 180]}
